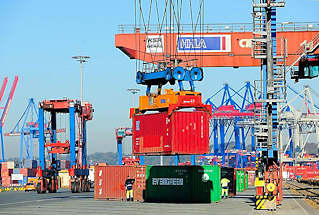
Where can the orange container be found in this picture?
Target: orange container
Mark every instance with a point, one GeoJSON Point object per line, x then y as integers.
{"type": "Point", "coordinates": [110, 182]}
{"type": "Point", "coordinates": [155, 102]}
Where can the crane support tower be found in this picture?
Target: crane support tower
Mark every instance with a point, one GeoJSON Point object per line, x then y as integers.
{"type": "Point", "coordinates": [270, 91]}
{"type": "Point", "coordinates": [76, 145]}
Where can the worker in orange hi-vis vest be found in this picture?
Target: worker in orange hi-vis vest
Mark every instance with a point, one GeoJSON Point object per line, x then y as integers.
{"type": "Point", "coordinates": [224, 183]}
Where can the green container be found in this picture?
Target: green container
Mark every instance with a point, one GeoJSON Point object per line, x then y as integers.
{"type": "Point", "coordinates": [206, 184]}
{"type": "Point", "coordinates": [183, 184]}
{"type": "Point", "coordinates": [240, 180]}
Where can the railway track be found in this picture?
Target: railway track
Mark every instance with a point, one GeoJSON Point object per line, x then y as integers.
{"type": "Point", "coordinates": [310, 192]}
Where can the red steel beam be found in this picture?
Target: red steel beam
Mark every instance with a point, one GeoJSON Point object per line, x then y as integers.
{"type": "Point", "coordinates": [4, 84]}
{"type": "Point", "coordinates": [235, 48]}
{"type": "Point", "coordinates": [6, 108]}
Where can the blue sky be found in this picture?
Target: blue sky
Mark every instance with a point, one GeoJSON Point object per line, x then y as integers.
{"type": "Point", "coordinates": [38, 38]}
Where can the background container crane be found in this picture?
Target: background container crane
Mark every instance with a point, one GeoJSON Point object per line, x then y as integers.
{"type": "Point", "coordinates": [27, 128]}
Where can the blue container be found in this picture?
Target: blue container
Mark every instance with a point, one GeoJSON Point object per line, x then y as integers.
{"type": "Point", "coordinates": [30, 164]}
{"type": "Point", "coordinates": [16, 171]}
{"type": "Point", "coordinates": [58, 164]}
{"type": "Point", "coordinates": [25, 180]}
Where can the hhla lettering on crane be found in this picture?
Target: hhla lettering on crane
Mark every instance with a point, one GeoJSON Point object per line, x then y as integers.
{"type": "Point", "coordinates": [198, 43]}
{"type": "Point", "coordinates": [204, 43]}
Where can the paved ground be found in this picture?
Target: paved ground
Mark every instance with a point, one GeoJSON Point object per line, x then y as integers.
{"type": "Point", "coordinates": [83, 203]}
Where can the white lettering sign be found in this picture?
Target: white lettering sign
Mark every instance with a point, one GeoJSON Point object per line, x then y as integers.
{"type": "Point", "coordinates": [154, 44]}
{"type": "Point", "coordinates": [245, 43]}
{"type": "Point", "coordinates": [167, 181]}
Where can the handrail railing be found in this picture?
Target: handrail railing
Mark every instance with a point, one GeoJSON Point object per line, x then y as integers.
{"type": "Point", "coordinates": [214, 28]}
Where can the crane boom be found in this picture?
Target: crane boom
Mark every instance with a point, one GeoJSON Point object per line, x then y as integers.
{"type": "Point", "coordinates": [4, 84]}
{"type": "Point", "coordinates": [6, 108]}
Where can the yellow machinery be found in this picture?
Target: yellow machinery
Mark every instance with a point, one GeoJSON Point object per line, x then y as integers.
{"type": "Point", "coordinates": [170, 97]}
{"type": "Point", "coordinates": [29, 187]}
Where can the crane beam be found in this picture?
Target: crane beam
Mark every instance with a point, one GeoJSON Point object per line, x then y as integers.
{"type": "Point", "coordinates": [223, 49]}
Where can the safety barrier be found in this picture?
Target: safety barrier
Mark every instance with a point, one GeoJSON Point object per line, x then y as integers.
{"type": "Point", "coordinates": [8, 189]}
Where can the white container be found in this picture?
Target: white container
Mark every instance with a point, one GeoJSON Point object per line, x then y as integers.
{"type": "Point", "coordinates": [91, 174]}
{"type": "Point", "coordinates": [17, 177]}
{"type": "Point", "coordinates": [64, 179]}
{"type": "Point", "coordinates": [10, 165]}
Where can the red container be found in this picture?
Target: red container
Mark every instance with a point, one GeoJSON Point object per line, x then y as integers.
{"type": "Point", "coordinates": [6, 172]}
{"type": "Point", "coordinates": [179, 133]}
{"type": "Point", "coordinates": [6, 181]}
{"type": "Point", "coordinates": [65, 164]}
{"type": "Point", "coordinates": [28, 172]}
{"type": "Point", "coordinates": [251, 178]}
{"type": "Point", "coordinates": [110, 180]}
{"type": "Point", "coordinates": [4, 165]}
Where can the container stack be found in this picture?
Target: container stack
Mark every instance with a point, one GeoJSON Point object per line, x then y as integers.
{"type": "Point", "coordinates": [30, 164]}
{"type": "Point", "coordinates": [6, 172]}
{"type": "Point", "coordinates": [12, 175]}
{"type": "Point", "coordinates": [64, 164]}
{"type": "Point", "coordinates": [180, 126]}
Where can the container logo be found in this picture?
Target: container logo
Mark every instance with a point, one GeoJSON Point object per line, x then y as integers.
{"type": "Point", "coordinates": [204, 43]}
{"type": "Point", "coordinates": [205, 177]}
{"type": "Point", "coordinates": [167, 181]}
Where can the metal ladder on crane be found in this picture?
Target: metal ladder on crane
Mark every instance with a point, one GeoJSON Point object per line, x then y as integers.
{"type": "Point", "coordinates": [277, 87]}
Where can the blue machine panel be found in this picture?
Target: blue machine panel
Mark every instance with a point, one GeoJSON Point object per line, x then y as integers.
{"type": "Point", "coordinates": [207, 43]}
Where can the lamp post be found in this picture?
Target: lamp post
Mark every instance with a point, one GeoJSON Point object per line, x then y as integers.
{"type": "Point", "coordinates": [81, 59]}
{"type": "Point", "coordinates": [133, 91]}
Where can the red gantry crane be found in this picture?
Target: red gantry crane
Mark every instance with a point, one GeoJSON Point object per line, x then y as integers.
{"type": "Point", "coordinates": [6, 109]}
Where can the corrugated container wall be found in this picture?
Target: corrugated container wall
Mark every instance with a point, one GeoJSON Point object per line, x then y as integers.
{"type": "Point", "coordinates": [181, 132]}
{"type": "Point", "coordinates": [12, 164]}
{"type": "Point", "coordinates": [240, 180]}
{"type": "Point", "coordinates": [251, 178]}
{"type": "Point", "coordinates": [183, 184]}
{"type": "Point", "coordinates": [30, 164]}
{"type": "Point", "coordinates": [246, 180]}
{"type": "Point", "coordinates": [64, 181]}
{"type": "Point", "coordinates": [109, 181]}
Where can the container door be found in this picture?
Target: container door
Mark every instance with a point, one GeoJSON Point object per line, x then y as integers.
{"type": "Point", "coordinates": [140, 183]}
{"type": "Point", "coordinates": [190, 132]}
{"type": "Point", "coordinates": [229, 173]}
